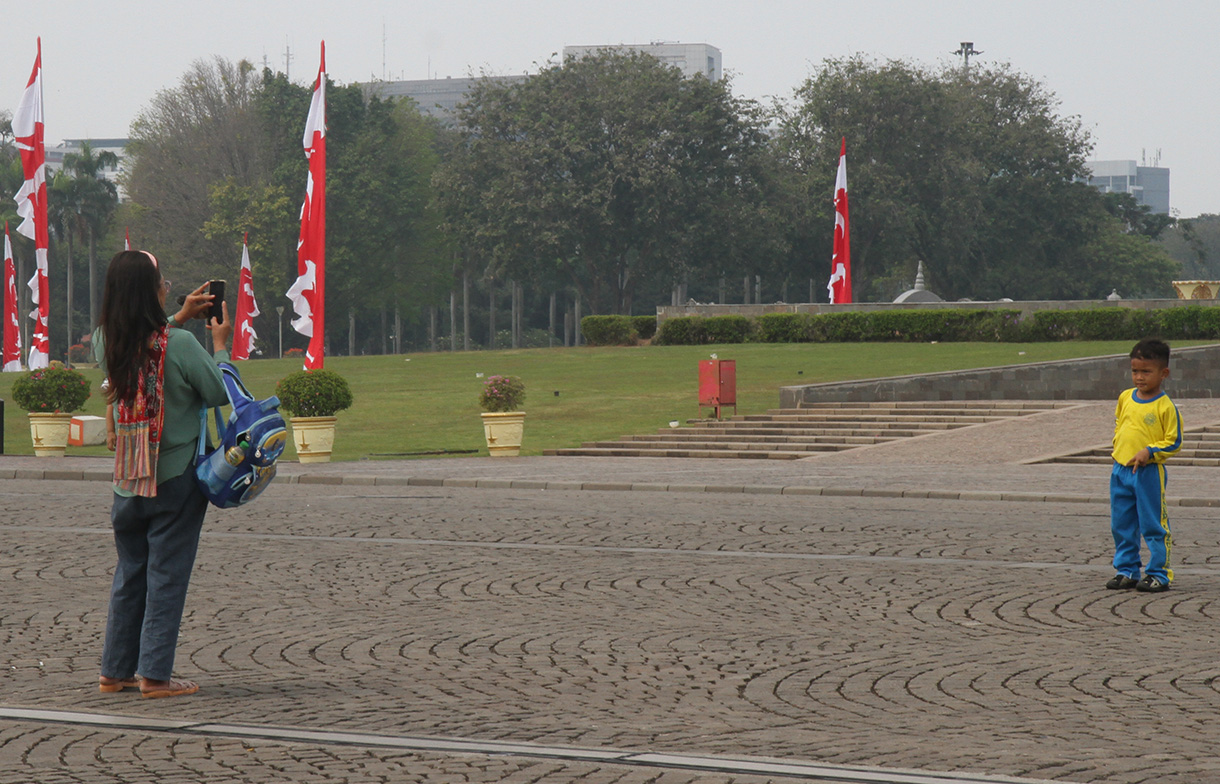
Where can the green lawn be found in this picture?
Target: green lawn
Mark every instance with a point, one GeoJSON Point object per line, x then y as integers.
{"type": "Point", "coordinates": [428, 402]}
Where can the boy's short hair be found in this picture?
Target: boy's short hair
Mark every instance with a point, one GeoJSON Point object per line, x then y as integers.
{"type": "Point", "coordinates": [1153, 350]}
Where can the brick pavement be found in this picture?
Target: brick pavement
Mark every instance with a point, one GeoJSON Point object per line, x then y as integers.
{"type": "Point", "coordinates": [896, 632]}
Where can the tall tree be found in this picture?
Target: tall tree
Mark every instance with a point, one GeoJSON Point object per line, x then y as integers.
{"type": "Point", "coordinates": [191, 137]}
{"type": "Point", "coordinates": [972, 171]}
{"type": "Point", "coordinates": [97, 198]}
{"type": "Point", "coordinates": [606, 171]}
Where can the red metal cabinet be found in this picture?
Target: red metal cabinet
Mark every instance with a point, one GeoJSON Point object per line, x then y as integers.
{"type": "Point", "coordinates": [718, 384]}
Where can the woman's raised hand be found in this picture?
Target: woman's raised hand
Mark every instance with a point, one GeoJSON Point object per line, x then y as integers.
{"type": "Point", "coordinates": [221, 330]}
{"type": "Point", "coordinates": [194, 304]}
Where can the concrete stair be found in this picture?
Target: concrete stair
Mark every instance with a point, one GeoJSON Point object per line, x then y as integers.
{"type": "Point", "coordinates": [791, 434]}
{"type": "Point", "coordinates": [1200, 447]}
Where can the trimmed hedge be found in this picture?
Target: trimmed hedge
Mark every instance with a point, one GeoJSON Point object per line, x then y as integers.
{"type": "Point", "coordinates": [609, 330]}
{"type": "Point", "coordinates": [698, 330]}
{"type": "Point", "coordinates": [910, 326]}
{"type": "Point", "coordinates": [645, 326]}
{"type": "Point", "coordinates": [1193, 322]}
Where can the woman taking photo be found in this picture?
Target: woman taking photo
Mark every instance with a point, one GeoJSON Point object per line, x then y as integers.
{"type": "Point", "coordinates": [159, 380]}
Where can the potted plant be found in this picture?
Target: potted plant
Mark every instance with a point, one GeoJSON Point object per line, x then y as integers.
{"type": "Point", "coordinates": [50, 395]}
{"type": "Point", "coordinates": [503, 424]}
{"type": "Point", "coordinates": [312, 397]}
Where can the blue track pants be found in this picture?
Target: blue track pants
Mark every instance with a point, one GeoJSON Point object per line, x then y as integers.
{"type": "Point", "coordinates": [1137, 509]}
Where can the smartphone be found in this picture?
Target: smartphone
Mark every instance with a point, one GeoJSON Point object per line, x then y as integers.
{"type": "Point", "coordinates": [217, 289]}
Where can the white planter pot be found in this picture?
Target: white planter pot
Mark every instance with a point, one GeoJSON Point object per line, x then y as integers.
{"type": "Point", "coordinates": [313, 437]}
{"type": "Point", "coordinates": [503, 432]}
{"type": "Point", "coordinates": [50, 434]}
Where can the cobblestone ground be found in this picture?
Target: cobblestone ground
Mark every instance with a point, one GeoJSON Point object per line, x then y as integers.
{"type": "Point", "coordinates": [905, 633]}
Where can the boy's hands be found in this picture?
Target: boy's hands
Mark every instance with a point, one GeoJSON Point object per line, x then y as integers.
{"type": "Point", "coordinates": [1141, 459]}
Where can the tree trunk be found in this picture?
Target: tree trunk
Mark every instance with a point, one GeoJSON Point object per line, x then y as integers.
{"type": "Point", "coordinates": [491, 315]}
{"type": "Point", "coordinates": [397, 331]}
{"type": "Point", "coordinates": [551, 335]}
{"type": "Point", "coordinates": [385, 328]}
{"type": "Point", "coordinates": [351, 333]}
{"type": "Point", "coordinates": [432, 327]}
{"type": "Point", "coordinates": [576, 321]}
{"type": "Point", "coordinates": [68, 312]}
{"type": "Point", "coordinates": [465, 311]}
{"type": "Point", "coordinates": [515, 339]}
{"type": "Point", "coordinates": [92, 281]}
{"type": "Point", "coordinates": [452, 320]}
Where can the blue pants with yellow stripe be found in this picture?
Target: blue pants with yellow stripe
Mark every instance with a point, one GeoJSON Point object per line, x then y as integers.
{"type": "Point", "coordinates": [1137, 509]}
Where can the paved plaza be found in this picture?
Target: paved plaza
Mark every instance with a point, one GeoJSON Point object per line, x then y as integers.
{"type": "Point", "coordinates": [589, 620]}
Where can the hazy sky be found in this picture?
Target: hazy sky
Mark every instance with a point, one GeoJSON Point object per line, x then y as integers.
{"type": "Point", "coordinates": [1138, 74]}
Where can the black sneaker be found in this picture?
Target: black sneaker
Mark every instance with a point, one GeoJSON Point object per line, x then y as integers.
{"type": "Point", "coordinates": [1121, 581]}
{"type": "Point", "coordinates": [1151, 584]}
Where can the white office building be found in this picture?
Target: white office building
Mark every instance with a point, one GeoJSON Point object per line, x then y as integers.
{"type": "Point", "coordinates": [436, 97]}
{"type": "Point", "coordinates": [1148, 184]}
{"type": "Point", "coordinates": [55, 158]}
{"type": "Point", "coordinates": [690, 59]}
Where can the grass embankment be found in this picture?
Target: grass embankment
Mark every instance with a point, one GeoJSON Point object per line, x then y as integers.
{"type": "Point", "coordinates": [428, 402]}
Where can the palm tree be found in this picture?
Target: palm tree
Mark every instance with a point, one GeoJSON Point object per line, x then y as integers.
{"type": "Point", "coordinates": [64, 220]}
{"type": "Point", "coordinates": [97, 198]}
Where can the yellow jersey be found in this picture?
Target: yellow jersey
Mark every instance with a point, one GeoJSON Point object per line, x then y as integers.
{"type": "Point", "coordinates": [1139, 423]}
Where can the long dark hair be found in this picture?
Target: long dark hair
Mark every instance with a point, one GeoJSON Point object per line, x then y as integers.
{"type": "Point", "coordinates": [131, 312]}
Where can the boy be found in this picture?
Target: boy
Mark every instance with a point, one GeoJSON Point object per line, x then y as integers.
{"type": "Point", "coordinates": [1147, 430]}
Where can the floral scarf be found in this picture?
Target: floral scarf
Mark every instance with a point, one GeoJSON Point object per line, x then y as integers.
{"type": "Point", "coordinates": [139, 425]}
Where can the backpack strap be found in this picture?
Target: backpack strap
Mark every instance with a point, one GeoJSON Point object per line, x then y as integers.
{"type": "Point", "coordinates": [202, 444]}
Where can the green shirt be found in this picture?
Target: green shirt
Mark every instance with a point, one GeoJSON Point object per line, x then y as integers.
{"type": "Point", "coordinates": [192, 383]}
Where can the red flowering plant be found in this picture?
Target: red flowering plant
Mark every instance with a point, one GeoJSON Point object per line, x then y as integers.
{"type": "Point", "coordinates": [313, 393]}
{"type": "Point", "coordinates": [51, 390]}
{"type": "Point", "coordinates": [502, 393]}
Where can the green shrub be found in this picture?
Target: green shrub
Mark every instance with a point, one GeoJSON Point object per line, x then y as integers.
{"type": "Point", "coordinates": [698, 330]}
{"type": "Point", "coordinates": [1193, 322]}
{"type": "Point", "coordinates": [782, 328]}
{"type": "Point", "coordinates": [51, 390]}
{"type": "Point", "coordinates": [728, 329]}
{"type": "Point", "coordinates": [681, 331]}
{"type": "Point", "coordinates": [839, 327]}
{"type": "Point", "coordinates": [313, 393]}
{"type": "Point", "coordinates": [645, 326]}
{"type": "Point", "coordinates": [609, 331]}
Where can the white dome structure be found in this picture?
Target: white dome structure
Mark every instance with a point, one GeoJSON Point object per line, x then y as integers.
{"type": "Point", "coordinates": [919, 293]}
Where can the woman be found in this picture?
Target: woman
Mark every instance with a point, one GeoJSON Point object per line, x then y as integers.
{"type": "Point", "coordinates": [159, 380]}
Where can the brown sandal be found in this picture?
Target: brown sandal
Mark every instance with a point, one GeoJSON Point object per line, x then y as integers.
{"type": "Point", "coordinates": [171, 688]}
{"type": "Point", "coordinates": [111, 685]}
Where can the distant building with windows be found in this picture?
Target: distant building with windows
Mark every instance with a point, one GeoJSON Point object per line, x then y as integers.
{"type": "Point", "coordinates": [436, 97]}
{"type": "Point", "coordinates": [690, 59]}
{"type": "Point", "coordinates": [1148, 184]}
{"type": "Point", "coordinates": [55, 158]}
{"type": "Point", "coordinates": [439, 98]}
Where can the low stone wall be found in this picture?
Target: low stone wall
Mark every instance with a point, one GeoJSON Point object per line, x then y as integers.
{"type": "Point", "coordinates": [1026, 307]}
{"type": "Point", "coordinates": [1195, 372]}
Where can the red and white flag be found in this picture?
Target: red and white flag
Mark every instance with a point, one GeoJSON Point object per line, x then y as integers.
{"type": "Point", "coordinates": [12, 325]}
{"type": "Point", "coordinates": [308, 294]}
{"type": "Point", "coordinates": [247, 308]}
{"type": "Point", "coordinates": [839, 286]}
{"type": "Point", "coordinates": [32, 206]}
{"type": "Point", "coordinates": [126, 239]}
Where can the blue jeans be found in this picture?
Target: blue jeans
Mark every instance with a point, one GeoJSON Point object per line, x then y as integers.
{"type": "Point", "coordinates": [156, 539]}
{"type": "Point", "coordinates": [1137, 509]}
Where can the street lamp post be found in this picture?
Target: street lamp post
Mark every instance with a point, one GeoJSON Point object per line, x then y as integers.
{"type": "Point", "coordinates": [279, 319]}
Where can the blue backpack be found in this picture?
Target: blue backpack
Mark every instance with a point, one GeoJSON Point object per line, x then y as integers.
{"type": "Point", "coordinates": [243, 463]}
